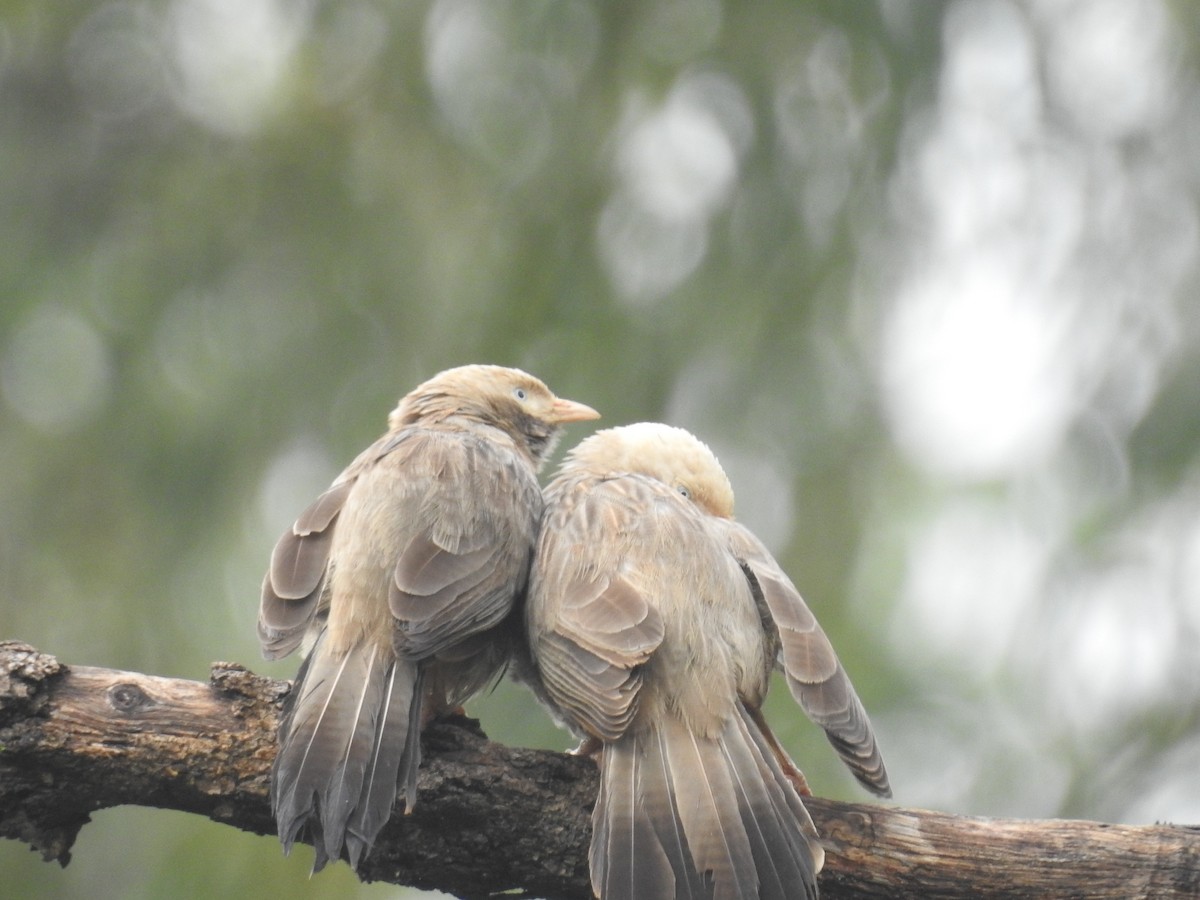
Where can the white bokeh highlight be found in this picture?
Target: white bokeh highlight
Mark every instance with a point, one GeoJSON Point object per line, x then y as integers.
{"type": "Point", "coordinates": [676, 166]}
{"type": "Point", "coordinates": [55, 370]}
{"type": "Point", "coordinates": [231, 58]}
{"type": "Point", "coordinates": [1013, 308]}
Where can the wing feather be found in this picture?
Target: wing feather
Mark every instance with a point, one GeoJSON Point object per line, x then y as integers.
{"type": "Point", "coordinates": [464, 557]}
{"type": "Point", "coordinates": [295, 579]}
{"type": "Point", "coordinates": [814, 674]}
{"type": "Point", "coordinates": [592, 628]}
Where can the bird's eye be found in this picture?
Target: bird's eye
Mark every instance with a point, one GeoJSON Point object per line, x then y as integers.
{"type": "Point", "coordinates": [520, 394]}
{"type": "Point", "coordinates": [684, 491]}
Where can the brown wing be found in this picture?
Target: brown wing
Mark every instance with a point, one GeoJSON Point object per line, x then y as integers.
{"type": "Point", "coordinates": [294, 585]}
{"type": "Point", "coordinates": [295, 579]}
{"type": "Point", "coordinates": [466, 558]}
{"type": "Point", "coordinates": [814, 674]}
{"type": "Point", "coordinates": [592, 628]}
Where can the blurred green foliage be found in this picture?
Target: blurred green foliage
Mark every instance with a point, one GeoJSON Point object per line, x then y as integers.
{"type": "Point", "coordinates": [232, 234]}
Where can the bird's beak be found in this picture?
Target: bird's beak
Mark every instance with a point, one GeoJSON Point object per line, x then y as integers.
{"type": "Point", "coordinates": [569, 411]}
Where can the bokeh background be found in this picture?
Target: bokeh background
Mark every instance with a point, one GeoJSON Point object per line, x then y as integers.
{"type": "Point", "coordinates": [924, 274]}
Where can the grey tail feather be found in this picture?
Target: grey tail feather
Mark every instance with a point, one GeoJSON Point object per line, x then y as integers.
{"type": "Point", "coordinates": [783, 838]}
{"type": "Point", "coordinates": [687, 817]}
{"type": "Point", "coordinates": [410, 761]}
{"type": "Point", "coordinates": [397, 737]}
{"type": "Point", "coordinates": [635, 852]}
{"type": "Point", "coordinates": [334, 778]}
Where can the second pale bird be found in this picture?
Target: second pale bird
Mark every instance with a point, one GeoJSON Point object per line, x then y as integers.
{"type": "Point", "coordinates": [403, 574]}
{"type": "Point", "coordinates": [655, 621]}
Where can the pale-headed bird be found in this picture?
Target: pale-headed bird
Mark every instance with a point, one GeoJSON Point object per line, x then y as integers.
{"type": "Point", "coordinates": [654, 623]}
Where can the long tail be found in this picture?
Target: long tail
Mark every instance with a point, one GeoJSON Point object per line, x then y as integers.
{"type": "Point", "coordinates": [348, 734]}
{"type": "Point", "coordinates": [683, 816]}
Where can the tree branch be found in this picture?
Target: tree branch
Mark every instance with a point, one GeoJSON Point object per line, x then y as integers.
{"type": "Point", "coordinates": [490, 818]}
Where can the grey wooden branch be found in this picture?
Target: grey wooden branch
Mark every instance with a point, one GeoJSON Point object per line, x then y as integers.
{"type": "Point", "coordinates": [490, 818]}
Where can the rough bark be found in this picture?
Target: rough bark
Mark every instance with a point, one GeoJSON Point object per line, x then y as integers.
{"type": "Point", "coordinates": [490, 818]}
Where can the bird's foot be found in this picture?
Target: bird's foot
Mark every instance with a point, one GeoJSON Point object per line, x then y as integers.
{"type": "Point", "coordinates": [589, 746]}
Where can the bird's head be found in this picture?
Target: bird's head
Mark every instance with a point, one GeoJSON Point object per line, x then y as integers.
{"type": "Point", "coordinates": [504, 398]}
{"type": "Point", "coordinates": [671, 455]}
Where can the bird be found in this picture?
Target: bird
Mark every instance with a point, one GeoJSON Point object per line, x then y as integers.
{"type": "Point", "coordinates": [654, 621]}
{"type": "Point", "coordinates": [399, 579]}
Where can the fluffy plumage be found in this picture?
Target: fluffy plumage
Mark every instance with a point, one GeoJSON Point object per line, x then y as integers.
{"type": "Point", "coordinates": [402, 574]}
{"type": "Point", "coordinates": [654, 622]}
